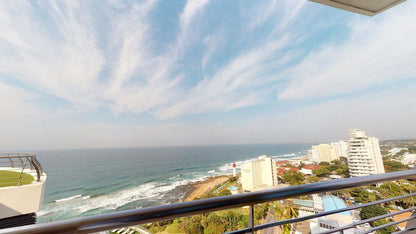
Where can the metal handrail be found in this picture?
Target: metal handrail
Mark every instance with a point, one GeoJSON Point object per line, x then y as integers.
{"type": "Point", "coordinates": [369, 220]}
{"type": "Point", "coordinates": [295, 220]}
{"type": "Point", "coordinates": [167, 212]}
{"type": "Point", "coordinates": [23, 158]}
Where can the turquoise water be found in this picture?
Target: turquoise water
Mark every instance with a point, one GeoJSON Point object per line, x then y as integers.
{"type": "Point", "coordinates": [94, 181]}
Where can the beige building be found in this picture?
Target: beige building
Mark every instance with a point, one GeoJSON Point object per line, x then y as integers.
{"type": "Point", "coordinates": [324, 152]}
{"type": "Point", "coordinates": [259, 174]}
{"type": "Point", "coordinates": [328, 152]}
{"type": "Point", "coordinates": [364, 156]}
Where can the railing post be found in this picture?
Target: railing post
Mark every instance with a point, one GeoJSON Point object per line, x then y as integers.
{"type": "Point", "coordinates": [251, 218]}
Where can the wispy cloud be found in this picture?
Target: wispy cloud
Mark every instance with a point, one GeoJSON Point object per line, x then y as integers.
{"type": "Point", "coordinates": [376, 51]}
{"type": "Point", "coordinates": [140, 59]}
{"type": "Point", "coordinates": [65, 64]}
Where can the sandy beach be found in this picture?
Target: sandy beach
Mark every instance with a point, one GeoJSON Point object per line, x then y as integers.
{"type": "Point", "coordinates": [200, 188]}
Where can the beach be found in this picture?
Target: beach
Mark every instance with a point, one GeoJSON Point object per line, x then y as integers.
{"type": "Point", "coordinates": [202, 187]}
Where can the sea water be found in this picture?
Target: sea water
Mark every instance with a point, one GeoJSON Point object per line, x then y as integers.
{"type": "Point", "coordinates": [85, 182]}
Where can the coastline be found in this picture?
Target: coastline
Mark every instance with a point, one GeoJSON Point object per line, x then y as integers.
{"type": "Point", "coordinates": [202, 187]}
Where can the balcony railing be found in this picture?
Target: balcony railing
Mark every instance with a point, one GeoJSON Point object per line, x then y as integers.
{"type": "Point", "coordinates": [22, 161]}
{"type": "Point", "coordinates": [172, 211]}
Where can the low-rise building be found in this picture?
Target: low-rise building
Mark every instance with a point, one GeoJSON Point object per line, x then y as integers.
{"type": "Point", "coordinates": [308, 169]}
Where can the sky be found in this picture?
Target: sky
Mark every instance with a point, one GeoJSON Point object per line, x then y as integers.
{"type": "Point", "coordinates": [89, 74]}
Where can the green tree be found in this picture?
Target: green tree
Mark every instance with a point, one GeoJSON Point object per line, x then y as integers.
{"type": "Point", "coordinates": [386, 230]}
{"type": "Point", "coordinates": [372, 211]}
{"type": "Point", "coordinates": [283, 211]}
{"type": "Point", "coordinates": [362, 196]}
{"type": "Point", "coordinates": [324, 164]}
{"type": "Point", "coordinates": [323, 171]}
{"type": "Point", "coordinates": [391, 166]}
{"type": "Point", "coordinates": [293, 177]}
{"type": "Point", "coordinates": [260, 211]}
{"type": "Point", "coordinates": [193, 225]}
{"type": "Point", "coordinates": [312, 179]}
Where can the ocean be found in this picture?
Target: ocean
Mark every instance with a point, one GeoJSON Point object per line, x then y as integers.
{"type": "Point", "coordinates": [84, 182]}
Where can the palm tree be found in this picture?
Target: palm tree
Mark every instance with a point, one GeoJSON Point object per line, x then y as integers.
{"type": "Point", "coordinates": [284, 210]}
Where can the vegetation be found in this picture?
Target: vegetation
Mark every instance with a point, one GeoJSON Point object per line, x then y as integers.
{"type": "Point", "coordinates": [11, 178]}
{"type": "Point", "coordinates": [222, 189]}
{"type": "Point", "coordinates": [374, 211]}
{"type": "Point", "coordinates": [284, 211]}
{"type": "Point", "coordinates": [390, 165]}
{"type": "Point", "coordinates": [293, 177]}
{"type": "Point", "coordinates": [340, 167]}
{"type": "Point", "coordinates": [260, 212]}
{"type": "Point", "coordinates": [322, 171]}
{"type": "Point", "coordinates": [312, 179]}
{"type": "Point", "coordinates": [211, 223]}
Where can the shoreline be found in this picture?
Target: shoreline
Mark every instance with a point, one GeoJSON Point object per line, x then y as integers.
{"type": "Point", "coordinates": [202, 187]}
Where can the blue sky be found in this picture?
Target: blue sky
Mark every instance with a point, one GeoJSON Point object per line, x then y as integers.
{"type": "Point", "coordinates": [148, 73]}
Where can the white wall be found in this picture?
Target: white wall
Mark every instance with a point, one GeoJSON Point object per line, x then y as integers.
{"type": "Point", "coordinates": [24, 199]}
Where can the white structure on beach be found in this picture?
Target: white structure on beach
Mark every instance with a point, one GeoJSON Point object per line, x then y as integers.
{"type": "Point", "coordinates": [258, 174]}
{"type": "Point", "coordinates": [328, 152]}
{"type": "Point", "coordinates": [364, 156]}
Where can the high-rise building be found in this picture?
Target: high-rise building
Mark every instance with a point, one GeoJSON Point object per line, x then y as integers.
{"type": "Point", "coordinates": [328, 152]}
{"type": "Point", "coordinates": [364, 156]}
{"type": "Point", "coordinates": [338, 149]}
{"type": "Point", "coordinates": [324, 152]}
{"type": "Point", "coordinates": [313, 156]}
{"type": "Point", "coordinates": [258, 174]}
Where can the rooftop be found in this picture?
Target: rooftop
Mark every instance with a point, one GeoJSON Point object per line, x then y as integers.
{"type": "Point", "coordinates": [334, 203]}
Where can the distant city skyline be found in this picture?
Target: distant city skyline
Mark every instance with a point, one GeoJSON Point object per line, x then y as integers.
{"type": "Point", "coordinates": [92, 74]}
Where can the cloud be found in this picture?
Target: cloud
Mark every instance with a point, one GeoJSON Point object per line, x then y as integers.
{"type": "Point", "coordinates": [211, 42]}
{"type": "Point", "coordinates": [122, 59]}
{"type": "Point", "coordinates": [377, 51]}
{"type": "Point", "coordinates": [240, 83]}
{"type": "Point", "coordinates": [192, 7]}
{"type": "Point", "coordinates": [65, 65]}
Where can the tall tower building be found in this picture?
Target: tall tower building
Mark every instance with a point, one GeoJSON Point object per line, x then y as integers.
{"type": "Point", "coordinates": [324, 152]}
{"type": "Point", "coordinates": [364, 156]}
{"type": "Point", "coordinates": [258, 174]}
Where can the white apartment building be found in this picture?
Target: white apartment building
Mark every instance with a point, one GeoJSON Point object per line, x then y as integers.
{"type": "Point", "coordinates": [313, 156]}
{"type": "Point", "coordinates": [258, 174]}
{"type": "Point", "coordinates": [328, 152]}
{"type": "Point", "coordinates": [364, 156]}
{"type": "Point", "coordinates": [339, 149]}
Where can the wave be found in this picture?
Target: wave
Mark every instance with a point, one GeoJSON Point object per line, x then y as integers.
{"type": "Point", "coordinates": [161, 192]}
{"type": "Point", "coordinates": [228, 167]}
{"type": "Point", "coordinates": [147, 192]}
{"type": "Point", "coordinates": [68, 198]}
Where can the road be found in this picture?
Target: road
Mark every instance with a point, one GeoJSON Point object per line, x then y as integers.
{"type": "Point", "coordinates": [270, 219]}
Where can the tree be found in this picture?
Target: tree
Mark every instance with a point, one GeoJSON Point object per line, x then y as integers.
{"type": "Point", "coordinates": [391, 166]}
{"type": "Point", "coordinates": [324, 164]}
{"type": "Point", "coordinates": [322, 171]}
{"type": "Point", "coordinates": [372, 211]}
{"type": "Point", "coordinates": [193, 225]}
{"type": "Point", "coordinates": [260, 211]}
{"type": "Point", "coordinates": [293, 177]}
{"type": "Point", "coordinates": [313, 179]}
{"type": "Point", "coordinates": [284, 211]}
{"type": "Point", "coordinates": [362, 196]}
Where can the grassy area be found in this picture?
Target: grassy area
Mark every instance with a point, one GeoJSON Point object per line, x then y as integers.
{"type": "Point", "coordinates": [11, 178]}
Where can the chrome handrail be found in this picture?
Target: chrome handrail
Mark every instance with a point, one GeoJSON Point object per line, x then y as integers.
{"type": "Point", "coordinates": [171, 211]}
{"type": "Point", "coordinates": [23, 158]}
